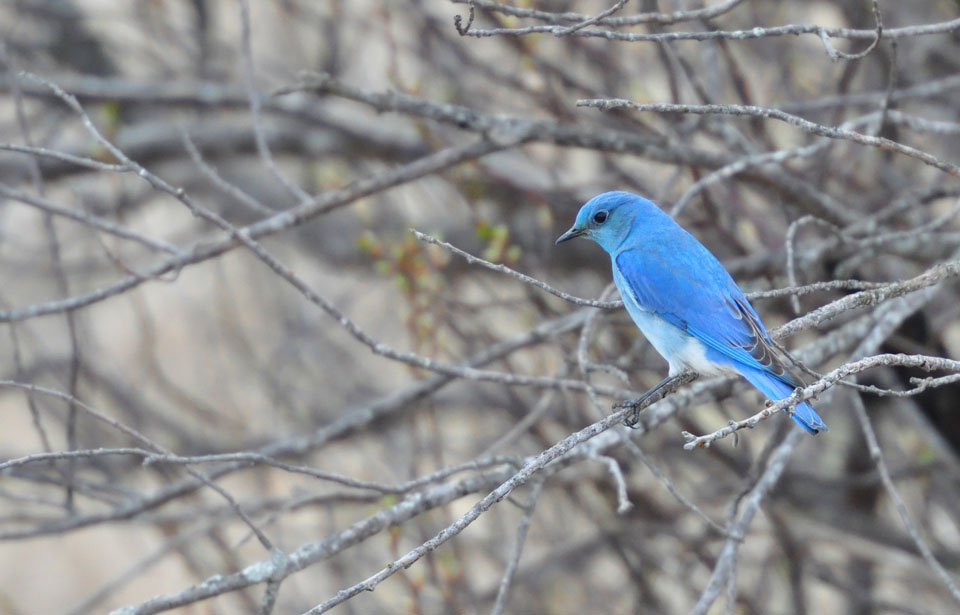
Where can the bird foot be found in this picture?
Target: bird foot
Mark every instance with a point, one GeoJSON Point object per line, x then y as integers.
{"type": "Point", "coordinates": [655, 394]}
{"type": "Point", "coordinates": [637, 405]}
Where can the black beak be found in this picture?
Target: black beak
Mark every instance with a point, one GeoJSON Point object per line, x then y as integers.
{"type": "Point", "coordinates": [571, 234]}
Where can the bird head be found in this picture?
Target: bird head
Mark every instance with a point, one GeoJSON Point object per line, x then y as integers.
{"type": "Point", "coordinates": [607, 218]}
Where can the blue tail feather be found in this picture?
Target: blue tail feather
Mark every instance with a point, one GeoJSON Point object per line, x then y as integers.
{"type": "Point", "coordinates": [776, 389]}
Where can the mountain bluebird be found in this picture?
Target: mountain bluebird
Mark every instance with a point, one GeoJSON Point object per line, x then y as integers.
{"type": "Point", "coordinates": [683, 300]}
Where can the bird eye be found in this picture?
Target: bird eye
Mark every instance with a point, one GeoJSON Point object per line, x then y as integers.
{"type": "Point", "coordinates": [600, 217]}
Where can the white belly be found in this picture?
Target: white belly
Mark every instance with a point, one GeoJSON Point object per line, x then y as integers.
{"type": "Point", "coordinates": [681, 350]}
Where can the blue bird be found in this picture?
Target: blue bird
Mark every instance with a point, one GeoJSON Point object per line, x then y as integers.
{"type": "Point", "coordinates": [683, 300]}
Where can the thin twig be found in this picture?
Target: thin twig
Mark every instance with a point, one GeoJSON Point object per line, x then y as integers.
{"type": "Point", "coordinates": [605, 104]}
{"type": "Point", "coordinates": [877, 456]}
{"type": "Point", "coordinates": [504, 590]}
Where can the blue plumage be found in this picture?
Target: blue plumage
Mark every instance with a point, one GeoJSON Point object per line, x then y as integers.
{"type": "Point", "coordinates": [682, 298]}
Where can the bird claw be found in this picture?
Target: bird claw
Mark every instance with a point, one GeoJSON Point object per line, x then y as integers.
{"type": "Point", "coordinates": [632, 419]}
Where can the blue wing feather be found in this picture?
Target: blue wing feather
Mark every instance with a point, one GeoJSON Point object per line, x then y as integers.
{"type": "Point", "coordinates": [691, 290]}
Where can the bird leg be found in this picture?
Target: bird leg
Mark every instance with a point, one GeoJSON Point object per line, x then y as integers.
{"type": "Point", "coordinates": [662, 389]}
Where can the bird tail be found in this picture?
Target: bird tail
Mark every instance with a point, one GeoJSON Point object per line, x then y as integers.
{"type": "Point", "coordinates": [776, 389]}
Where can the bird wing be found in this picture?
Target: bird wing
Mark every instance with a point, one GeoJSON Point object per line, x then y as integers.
{"type": "Point", "coordinates": [697, 295]}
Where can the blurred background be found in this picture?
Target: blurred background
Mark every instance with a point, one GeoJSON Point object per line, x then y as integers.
{"type": "Point", "coordinates": [137, 137]}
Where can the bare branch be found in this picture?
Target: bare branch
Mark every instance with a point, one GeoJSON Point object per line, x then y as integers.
{"type": "Point", "coordinates": [877, 456]}
{"type": "Point", "coordinates": [769, 113]}
{"type": "Point", "coordinates": [717, 10]}
{"type": "Point", "coordinates": [504, 591]}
